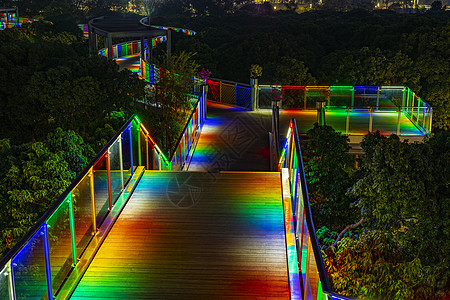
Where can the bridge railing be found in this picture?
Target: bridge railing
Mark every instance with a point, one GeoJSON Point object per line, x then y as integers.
{"type": "Point", "coordinates": [185, 146]}
{"type": "Point", "coordinates": [230, 93]}
{"type": "Point", "coordinates": [344, 101]}
{"type": "Point", "coordinates": [307, 274]}
{"type": "Point", "coordinates": [128, 48]}
{"type": "Point", "coordinates": [52, 249]}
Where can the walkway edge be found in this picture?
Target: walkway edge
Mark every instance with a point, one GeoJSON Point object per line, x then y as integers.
{"type": "Point", "coordinates": [84, 262]}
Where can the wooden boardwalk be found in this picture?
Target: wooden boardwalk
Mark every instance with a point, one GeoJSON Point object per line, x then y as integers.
{"type": "Point", "coordinates": [194, 235]}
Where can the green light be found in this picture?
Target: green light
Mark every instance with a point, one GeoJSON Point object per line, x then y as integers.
{"type": "Point", "coordinates": [341, 88]}
{"type": "Point", "coordinates": [136, 118]}
{"type": "Point", "coordinates": [72, 228]}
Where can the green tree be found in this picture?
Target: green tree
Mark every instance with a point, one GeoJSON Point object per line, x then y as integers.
{"type": "Point", "coordinates": [171, 98]}
{"type": "Point", "coordinates": [33, 176]}
{"type": "Point", "coordinates": [329, 172]}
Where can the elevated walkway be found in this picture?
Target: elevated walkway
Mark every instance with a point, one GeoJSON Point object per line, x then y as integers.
{"type": "Point", "coordinates": [194, 235]}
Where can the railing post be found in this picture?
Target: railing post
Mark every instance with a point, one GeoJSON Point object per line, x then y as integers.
{"type": "Point", "coordinates": [139, 146]}
{"type": "Point", "coordinates": [220, 91]}
{"type": "Point", "coordinates": [108, 175]}
{"type": "Point", "coordinates": [91, 181]}
{"type": "Point", "coordinates": [72, 229]}
{"type": "Point", "coordinates": [131, 149]}
{"type": "Point", "coordinates": [347, 123]}
{"type": "Point", "coordinates": [47, 261]}
{"type": "Point", "coordinates": [370, 119]}
{"type": "Point", "coordinates": [378, 97]}
{"type": "Point", "coordinates": [353, 97]}
{"type": "Point", "coordinates": [205, 105]}
{"type": "Point", "coordinates": [254, 93]}
{"type": "Point", "coordinates": [11, 288]}
{"type": "Point", "coordinates": [148, 157]}
{"type": "Point", "coordinates": [431, 119]}
{"type": "Point", "coordinates": [304, 104]}
{"type": "Point", "coordinates": [120, 159]}
{"type": "Point", "coordinates": [404, 96]}
{"type": "Point", "coordinates": [398, 120]}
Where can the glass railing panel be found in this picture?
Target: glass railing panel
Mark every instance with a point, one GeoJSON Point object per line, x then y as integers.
{"type": "Point", "coordinates": [29, 268]}
{"type": "Point", "coordinates": [157, 160]}
{"type": "Point", "coordinates": [4, 283]}
{"type": "Point", "coordinates": [146, 151]}
{"type": "Point", "coordinates": [293, 98]}
{"type": "Point", "coordinates": [341, 96]}
{"type": "Point", "coordinates": [101, 196]}
{"type": "Point", "coordinates": [137, 155]}
{"type": "Point", "coordinates": [336, 117]}
{"type": "Point", "coordinates": [358, 121]}
{"type": "Point", "coordinates": [60, 244]}
{"type": "Point", "coordinates": [129, 48]}
{"type": "Point", "coordinates": [126, 154]}
{"type": "Point", "coordinates": [385, 120]}
{"type": "Point", "coordinates": [228, 93]}
{"type": "Point", "coordinates": [83, 214]}
{"type": "Point", "coordinates": [303, 245]}
{"type": "Point", "coordinates": [313, 274]}
{"type": "Point", "coordinates": [265, 97]}
{"type": "Point", "coordinates": [115, 163]}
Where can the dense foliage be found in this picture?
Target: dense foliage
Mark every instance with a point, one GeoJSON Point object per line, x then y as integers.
{"type": "Point", "coordinates": [59, 107]}
{"type": "Point", "coordinates": [399, 249]}
{"type": "Point", "coordinates": [32, 176]}
{"type": "Point", "coordinates": [170, 99]}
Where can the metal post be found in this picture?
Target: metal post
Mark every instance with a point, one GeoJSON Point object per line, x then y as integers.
{"type": "Point", "coordinates": [220, 91]}
{"type": "Point", "coordinates": [139, 146]}
{"type": "Point", "coordinates": [254, 91]}
{"type": "Point", "coordinates": [120, 158]}
{"type": "Point", "coordinates": [72, 230]}
{"type": "Point", "coordinates": [47, 261]}
{"type": "Point", "coordinates": [11, 289]}
{"type": "Point", "coordinates": [108, 175]}
{"type": "Point", "coordinates": [205, 95]}
{"type": "Point", "coordinates": [146, 153]}
{"type": "Point", "coordinates": [370, 119]}
{"type": "Point", "coordinates": [404, 96]}
{"type": "Point", "coordinates": [431, 119]}
{"type": "Point", "coordinates": [353, 97]}
{"type": "Point", "coordinates": [271, 150]}
{"type": "Point", "coordinates": [94, 221]}
{"type": "Point", "coordinates": [398, 120]}
{"type": "Point", "coordinates": [131, 150]}
{"type": "Point", "coordinates": [347, 123]}
{"type": "Point", "coordinates": [378, 97]}
{"type": "Point", "coordinates": [304, 105]}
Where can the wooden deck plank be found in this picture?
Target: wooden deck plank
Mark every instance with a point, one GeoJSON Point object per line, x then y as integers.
{"type": "Point", "coordinates": [194, 236]}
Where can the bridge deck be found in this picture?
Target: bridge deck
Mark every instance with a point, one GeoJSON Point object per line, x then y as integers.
{"type": "Point", "coordinates": [194, 235]}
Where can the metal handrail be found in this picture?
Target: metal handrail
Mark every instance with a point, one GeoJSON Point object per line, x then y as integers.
{"type": "Point", "coordinates": [287, 161]}
{"type": "Point", "coordinates": [61, 198]}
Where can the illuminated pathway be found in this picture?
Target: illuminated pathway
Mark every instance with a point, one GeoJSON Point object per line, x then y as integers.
{"type": "Point", "coordinates": [233, 139]}
{"type": "Point", "coordinates": [194, 235]}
